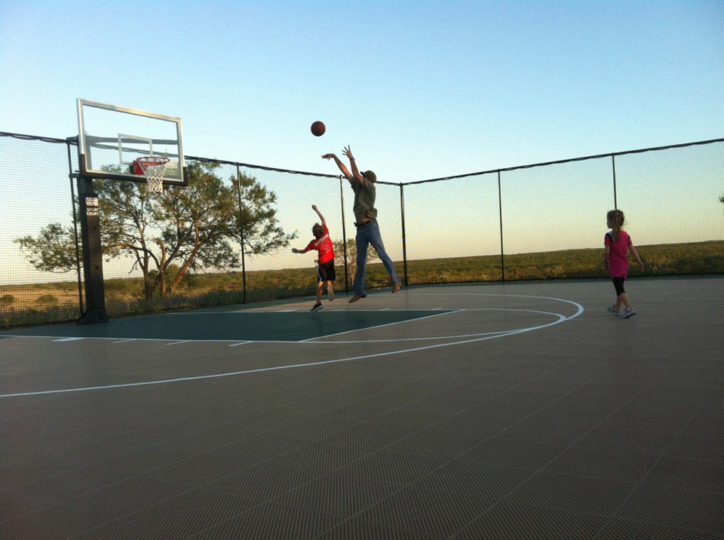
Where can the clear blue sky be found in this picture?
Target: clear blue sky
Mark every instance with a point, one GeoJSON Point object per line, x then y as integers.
{"type": "Point", "coordinates": [420, 89]}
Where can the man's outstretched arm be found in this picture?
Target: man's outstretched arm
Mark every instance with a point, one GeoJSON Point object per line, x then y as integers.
{"type": "Point", "coordinates": [355, 171]}
{"type": "Point", "coordinates": [342, 166]}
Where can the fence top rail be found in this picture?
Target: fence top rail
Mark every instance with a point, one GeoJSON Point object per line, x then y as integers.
{"type": "Point", "coordinates": [276, 169]}
{"type": "Point", "coordinates": [568, 160]}
{"type": "Point", "coordinates": [26, 137]}
{"type": "Point", "coordinates": [263, 167]}
{"type": "Point", "coordinates": [73, 140]}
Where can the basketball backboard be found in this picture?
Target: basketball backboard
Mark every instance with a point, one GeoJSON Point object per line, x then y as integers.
{"type": "Point", "coordinates": [111, 138]}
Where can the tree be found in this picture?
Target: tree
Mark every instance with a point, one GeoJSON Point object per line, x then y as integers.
{"type": "Point", "coordinates": [352, 255]}
{"type": "Point", "coordinates": [181, 229]}
{"type": "Point", "coordinates": [52, 251]}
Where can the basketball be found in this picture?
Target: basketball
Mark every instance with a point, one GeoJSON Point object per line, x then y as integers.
{"type": "Point", "coordinates": [318, 128]}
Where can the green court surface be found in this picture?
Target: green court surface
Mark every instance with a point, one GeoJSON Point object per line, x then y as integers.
{"type": "Point", "coordinates": [227, 326]}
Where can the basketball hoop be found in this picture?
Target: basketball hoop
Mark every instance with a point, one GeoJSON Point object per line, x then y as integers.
{"type": "Point", "coordinates": [154, 169]}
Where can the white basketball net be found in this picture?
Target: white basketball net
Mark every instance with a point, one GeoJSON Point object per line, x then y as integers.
{"type": "Point", "coordinates": [154, 169]}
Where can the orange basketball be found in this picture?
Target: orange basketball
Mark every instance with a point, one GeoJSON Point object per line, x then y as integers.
{"type": "Point", "coordinates": [318, 128]}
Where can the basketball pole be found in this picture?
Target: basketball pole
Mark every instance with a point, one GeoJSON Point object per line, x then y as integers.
{"type": "Point", "coordinates": [241, 232]}
{"type": "Point", "coordinates": [404, 236]}
{"type": "Point", "coordinates": [81, 301]}
{"type": "Point", "coordinates": [90, 227]}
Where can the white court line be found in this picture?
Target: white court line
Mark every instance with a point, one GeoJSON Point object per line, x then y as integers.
{"type": "Point", "coordinates": [562, 318]}
{"type": "Point", "coordinates": [397, 340]}
{"type": "Point", "coordinates": [240, 343]}
{"type": "Point", "coordinates": [496, 294]}
{"type": "Point", "coordinates": [292, 366]}
{"type": "Point", "coordinates": [100, 338]}
{"type": "Point", "coordinates": [178, 342]}
{"type": "Point", "coordinates": [436, 313]}
{"type": "Point", "coordinates": [327, 308]}
{"type": "Point", "coordinates": [61, 340]}
{"type": "Point", "coordinates": [376, 326]}
{"type": "Point", "coordinates": [312, 340]}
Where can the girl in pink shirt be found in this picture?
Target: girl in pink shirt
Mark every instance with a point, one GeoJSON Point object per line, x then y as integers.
{"type": "Point", "coordinates": [618, 244]}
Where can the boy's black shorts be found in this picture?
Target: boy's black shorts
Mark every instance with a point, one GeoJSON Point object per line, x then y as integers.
{"type": "Point", "coordinates": [326, 272]}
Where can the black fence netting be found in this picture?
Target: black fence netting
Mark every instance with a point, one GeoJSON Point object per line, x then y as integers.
{"type": "Point", "coordinates": [39, 279]}
{"type": "Point", "coordinates": [228, 236]}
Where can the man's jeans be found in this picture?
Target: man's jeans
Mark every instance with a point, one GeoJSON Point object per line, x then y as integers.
{"type": "Point", "coordinates": [367, 234]}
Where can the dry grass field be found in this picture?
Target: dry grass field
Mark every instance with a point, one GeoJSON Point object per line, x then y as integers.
{"type": "Point", "coordinates": [57, 302]}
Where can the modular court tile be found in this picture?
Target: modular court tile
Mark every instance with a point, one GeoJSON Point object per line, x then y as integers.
{"type": "Point", "coordinates": [477, 411]}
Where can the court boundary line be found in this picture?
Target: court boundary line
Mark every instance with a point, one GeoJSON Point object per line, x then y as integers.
{"type": "Point", "coordinates": [235, 342]}
{"type": "Point", "coordinates": [451, 312]}
{"type": "Point", "coordinates": [437, 314]}
{"type": "Point", "coordinates": [253, 311]}
{"type": "Point", "coordinates": [119, 340]}
{"type": "Point", "coordinates": [579, 311]}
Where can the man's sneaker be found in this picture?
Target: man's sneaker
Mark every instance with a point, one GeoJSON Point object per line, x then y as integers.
{"type": "Point", "coordinates": [612, 309]}
{"type": "Point", "coordinates": [628, 312]}
{"type": "Point", "coordinates": [317, 306]}
{"type": "Point", "coordinates": [357, 297]}
{"type": "Point", "coordinates": [396, 287]}
{"type": "Point", "coordinates": [330, 294]}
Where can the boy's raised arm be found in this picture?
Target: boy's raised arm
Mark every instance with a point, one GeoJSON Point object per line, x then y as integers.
{"type": "Point", "coordinates": [314, 207]}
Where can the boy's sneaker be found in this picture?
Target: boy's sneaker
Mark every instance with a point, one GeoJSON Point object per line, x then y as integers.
{"type": "Point", "coordinates": [628, 312]}
{"type": "Point", "coordinates": [330, 294]}
{"type": "Point", "coordinates": [612, 309]}
{"type": "Point", "coordinates": [316, 307]}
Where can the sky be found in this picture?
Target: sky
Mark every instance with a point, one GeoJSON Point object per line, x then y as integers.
{"type": "Point", "coordinates": [419, 89]}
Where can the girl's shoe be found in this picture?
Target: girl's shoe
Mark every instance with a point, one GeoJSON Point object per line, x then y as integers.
{"type": "Point", "coordinates": [612, 309]}
{"type": "Point", "coordinates": [628, 312]}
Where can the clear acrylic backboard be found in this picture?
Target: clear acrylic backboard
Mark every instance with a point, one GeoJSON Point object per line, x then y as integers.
{"type": "Point", "coordinates": [112, 138]}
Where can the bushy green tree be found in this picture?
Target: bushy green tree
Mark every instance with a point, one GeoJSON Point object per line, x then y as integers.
{"type": "Point", "coordinates": [184, 228]}
{"type": "Point", "coordinates": [53, 250]}
{"type": "Point", "coordinates": [352, 255]}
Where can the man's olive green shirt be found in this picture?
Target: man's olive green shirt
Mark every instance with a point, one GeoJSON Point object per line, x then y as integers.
{"type": "Point", "coordinates": [364, 199]}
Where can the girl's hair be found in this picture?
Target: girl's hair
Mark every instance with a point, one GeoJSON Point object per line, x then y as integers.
{"type": "Point", "coordinates": [616, 219]}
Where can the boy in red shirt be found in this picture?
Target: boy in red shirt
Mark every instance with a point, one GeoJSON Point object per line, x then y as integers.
{"type": "Point", "coordinates": [325, 263]}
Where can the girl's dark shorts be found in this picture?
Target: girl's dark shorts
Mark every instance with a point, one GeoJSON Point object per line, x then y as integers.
{"type": "Point", "coordinates": [618, 284]}
{"type": "Point", "coordinates": [325, 271]}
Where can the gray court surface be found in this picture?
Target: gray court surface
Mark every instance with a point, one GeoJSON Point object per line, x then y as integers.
{"type": "Point", "coordinates": [522, 410]}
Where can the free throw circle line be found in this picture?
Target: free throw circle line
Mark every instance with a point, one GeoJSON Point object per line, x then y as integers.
{"type": "Point", "coordinates": [578, 312]}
